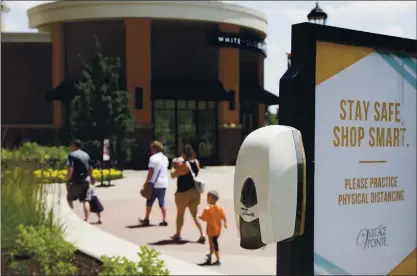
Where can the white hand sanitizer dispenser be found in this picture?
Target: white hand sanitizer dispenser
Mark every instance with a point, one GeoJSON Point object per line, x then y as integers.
{"type": "Point", "coordinates": [270, 186]}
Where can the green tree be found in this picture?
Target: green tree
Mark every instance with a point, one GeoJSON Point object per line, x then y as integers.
{"type": "Point", "coordinates": [271, 118]}
{"type": "Point", "coordinates": [101, 110]}
{"type": "Point", "coordinates": [3, 7]}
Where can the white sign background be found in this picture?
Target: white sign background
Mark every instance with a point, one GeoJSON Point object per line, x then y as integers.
{"type": "Point", "coordinates": [336, 227]}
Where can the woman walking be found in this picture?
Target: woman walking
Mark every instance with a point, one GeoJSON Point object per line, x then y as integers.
{"type": "Point", "coordinates": [186, 196]}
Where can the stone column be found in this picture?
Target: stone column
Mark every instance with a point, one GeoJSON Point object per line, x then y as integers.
{"type": "Point", "coordinates": [138, 74]}
{"type": "Point", "coordinates": [138, 66]}
{"type": "Point", "coordinates": [58, 72]}
{"type": "Point", "coordinates": [230, 134]}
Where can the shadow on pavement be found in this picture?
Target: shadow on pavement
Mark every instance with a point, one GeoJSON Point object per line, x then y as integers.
{"type": "Point", "coordinates": [139, 226]}
{"type": "Point", "coordinates": [170, 242]}
{"type": "Point", "coordinates": [207, 264]}
{"type": "Point", "coordinates": [105, 186]}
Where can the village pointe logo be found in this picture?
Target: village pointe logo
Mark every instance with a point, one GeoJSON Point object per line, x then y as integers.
{"type": "Point", "coordinates": [369, 238]}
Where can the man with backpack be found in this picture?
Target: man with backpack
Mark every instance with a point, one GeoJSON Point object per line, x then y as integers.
{"type": "Point", "coordinates": [79, 177]}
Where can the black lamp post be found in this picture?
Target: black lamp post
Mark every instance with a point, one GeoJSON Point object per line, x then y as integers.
{"type": "Point", "coordinates": [317, 15]}
{"type": "Point", "coordinates": [288, 60]}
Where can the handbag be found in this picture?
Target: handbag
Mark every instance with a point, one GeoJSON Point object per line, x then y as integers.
{"type": "Point", "coordinates": [95, 205]}
{"type": "Point", "coordinates": [198, 183]}
{"type": "Point", "coordinates": [147, 188]}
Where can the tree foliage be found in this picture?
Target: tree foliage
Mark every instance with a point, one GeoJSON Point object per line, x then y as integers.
{"type": "Point", "coordinates": [101, 110]}
{"type": "Point", "coordinates": [271, 118]}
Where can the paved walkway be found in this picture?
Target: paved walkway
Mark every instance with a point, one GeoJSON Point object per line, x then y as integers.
{"type": "Point", "coordinates": [123, 205]}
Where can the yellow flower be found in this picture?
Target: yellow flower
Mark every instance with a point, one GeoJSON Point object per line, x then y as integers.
{"type": "Point", "coordinates": [51, 175]}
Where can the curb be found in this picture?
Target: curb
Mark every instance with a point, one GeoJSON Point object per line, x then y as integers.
{"type": "Point", "coordinates": [96, 242]}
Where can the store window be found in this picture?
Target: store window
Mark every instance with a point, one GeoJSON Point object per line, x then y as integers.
{"type": "Point", "coordinates": [165, 125]}
{"type": "Point", "coordinates": [187, 122]}
{"type": "Point", "coordinates": [207, 130]}
{"type": "Point", "coordinates": [249, 117]}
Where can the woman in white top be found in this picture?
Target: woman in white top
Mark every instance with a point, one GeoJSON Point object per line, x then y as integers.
{"type": "Point", "coordinates": [158, 179]}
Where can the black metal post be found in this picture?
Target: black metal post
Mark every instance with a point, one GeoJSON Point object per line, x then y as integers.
{"type": "Point", "coordinates": [101, 173]}
{"type": "Point", "coordinates": [108, 167]}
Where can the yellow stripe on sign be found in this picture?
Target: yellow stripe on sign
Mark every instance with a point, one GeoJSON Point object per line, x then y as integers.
{"type": "Point", "coordinates": [332, 58]}
{"type": "Point", "coordinates": [408, 266]}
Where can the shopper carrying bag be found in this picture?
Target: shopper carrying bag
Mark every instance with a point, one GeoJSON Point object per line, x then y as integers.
{"type": "Point", "coordinates": [156, 182]}
{"type": "Point", "coordinates": [198, 183]}
{"type": "Point", "coordinates": [147, 188]}
{"type": "Point", "coordinates": [188, 195]}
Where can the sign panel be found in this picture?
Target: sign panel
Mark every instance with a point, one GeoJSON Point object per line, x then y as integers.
{"type": "Point", "coordinates": [365, 162]}
{"type": "Point", "coordinates": [241, 42]}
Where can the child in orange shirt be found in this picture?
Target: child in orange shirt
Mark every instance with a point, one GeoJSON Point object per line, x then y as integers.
{"type": "Point", "coordinates": [213, 214]}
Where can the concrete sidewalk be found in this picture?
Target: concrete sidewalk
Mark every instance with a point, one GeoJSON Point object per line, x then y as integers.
{"type": "Point", "coordinates": [96, 242]}
{"type": "Point", "coordinates": [124, 205]}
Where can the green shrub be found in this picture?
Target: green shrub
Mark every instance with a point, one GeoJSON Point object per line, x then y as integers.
{"type": "Point", "coordinates": [149, 264]}
{"type": "Point", "coordinates": [51, 252]}
{"type": "Point", "coordinates": [22, 201]}
{"type": "Point", "coordinates": [27, 224]}
{"type": "Point", "coordinates": [20, 268]}
{"type": "Point", "coordinates": [32, 152]}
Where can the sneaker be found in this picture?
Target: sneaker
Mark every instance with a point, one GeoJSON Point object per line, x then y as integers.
{"type": "Point", "coordinates": [144, 221]}
{"type": "Point", "coordinates": [216, 263]}
{"type": "Point", "coordinates": [176, 238]}
{"type": "Point", "coordinates": [164, 223]}
{"type": "Point", "coordinates": [208, 260]}
{"type": "Point", "coordinates": [202, 240]}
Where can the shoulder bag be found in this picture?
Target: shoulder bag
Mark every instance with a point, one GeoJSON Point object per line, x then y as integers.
{"type": "Point", "coordinates": [147, 188]}
{"type": "Point", "coordinates": [198, 183]}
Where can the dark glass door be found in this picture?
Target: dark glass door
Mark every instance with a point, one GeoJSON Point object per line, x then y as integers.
{"type": "Point", "coordinates": [249, 117]}
{"type": "Point", "coordinates": [187, 122]}
{"type": "Point", "coordinates": [207, 131]}
{"type": "Point", "coordinates": [187, 133]}
{"type": "Point", "coordinates": [165, 125]}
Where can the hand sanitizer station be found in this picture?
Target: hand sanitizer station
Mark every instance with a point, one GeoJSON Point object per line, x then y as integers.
{"type": "Point", "coordinates": [269, 187]}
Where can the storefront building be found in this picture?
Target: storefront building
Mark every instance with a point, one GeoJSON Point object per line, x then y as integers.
{"type": "Point", "coordinates": [194, 70]}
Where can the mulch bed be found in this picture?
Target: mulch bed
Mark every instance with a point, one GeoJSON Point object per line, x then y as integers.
{"type": "Point", "coordinates": [86, 265]}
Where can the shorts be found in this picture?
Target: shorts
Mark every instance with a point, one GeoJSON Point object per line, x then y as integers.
{"type": "Point", "coordinates": [214, 243]}
{"type": "Point", "coordinates": [157, 193]}
{"type": "Point", "coordinates": [190, 198]}
{"type": "Point", "coordinates": [80, 191]}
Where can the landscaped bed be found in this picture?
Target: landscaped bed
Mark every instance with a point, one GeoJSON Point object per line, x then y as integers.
{"type": "Point", "coordinates": [80, 263]}
{"type": "Point", "coordinates": [85, 265]}
{"type": "Point", "coordinates": [51, 163]}
{"type": "Point", "coordinates": [33, 238]}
